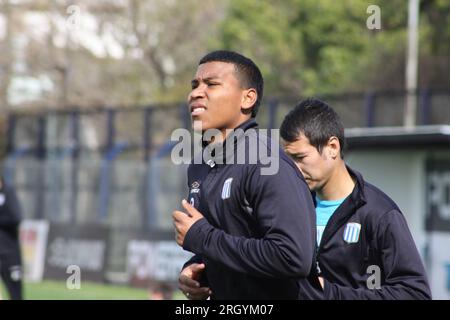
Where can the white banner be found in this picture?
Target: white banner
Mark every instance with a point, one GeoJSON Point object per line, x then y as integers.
{"type": "Point", "coordinates": [33, 242]}
{"type": "Point", "coordinates": [155, 260]}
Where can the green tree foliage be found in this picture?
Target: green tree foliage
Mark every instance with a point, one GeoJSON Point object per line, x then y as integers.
{"type": "Point", "coordinates": [321, 46]}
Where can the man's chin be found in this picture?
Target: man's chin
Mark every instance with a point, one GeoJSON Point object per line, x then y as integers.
{"type": "Point", "coordinates": [312, 186]}
{"type": "Point", "coordinates": [198, 126]}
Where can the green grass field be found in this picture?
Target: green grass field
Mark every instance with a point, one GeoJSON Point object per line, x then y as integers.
{"type": "Point", "coordinates": [56, 290]}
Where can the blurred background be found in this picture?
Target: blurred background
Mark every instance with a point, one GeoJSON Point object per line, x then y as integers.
{"type": "Point", "coordinates": [90, 92]}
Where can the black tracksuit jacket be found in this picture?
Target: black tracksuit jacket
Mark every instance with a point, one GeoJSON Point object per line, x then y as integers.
{"type": "Point", "coordinates": [10, 257]}
{"type": "Point", "coordinates": [258, 235]}
{"type": "Point", "coordinates": [10, 217]}
{"type": "Point", "coordinates": [384, 241]}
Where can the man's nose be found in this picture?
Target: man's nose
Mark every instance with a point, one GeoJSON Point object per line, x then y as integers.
{"type": "Point", "coordinates": [196, 93]}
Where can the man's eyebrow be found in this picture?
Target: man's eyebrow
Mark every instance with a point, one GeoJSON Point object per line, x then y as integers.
{"type": "Point", "coordinates": [210, 78]}
{"type": "Point", "coordinates": [296, 154]}
{"type": "Point", "coordinates": [196, 81]}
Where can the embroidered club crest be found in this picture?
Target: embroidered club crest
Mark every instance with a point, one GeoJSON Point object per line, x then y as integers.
{"type": "Point", "coordinates": [351, 232]}
{"type": "Point", "coordinates": [226, 190]}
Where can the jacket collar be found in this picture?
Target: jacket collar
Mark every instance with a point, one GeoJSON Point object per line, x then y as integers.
{"type": "Point", "coordinates": [216, 151]}
{"type": "Point", "coordinates": [343, 213]}
{"type": "Point", "coordinates": [358, 196]}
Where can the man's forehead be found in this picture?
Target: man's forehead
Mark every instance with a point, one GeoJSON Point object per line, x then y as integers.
{"type": "Point", "coordinates": [214, 69]}
{"type": "Point", "coordinates": [301, 140]}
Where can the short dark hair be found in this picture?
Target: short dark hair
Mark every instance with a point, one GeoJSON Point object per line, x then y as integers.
{"type": "Point", "coordinates": [249, 74]}
{"type": "Point", "coordinates": [317, 121]}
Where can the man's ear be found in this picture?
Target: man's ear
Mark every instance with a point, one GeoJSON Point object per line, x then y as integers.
{"type": "Point", "coordinates": [334, 147]}
{"type": "Point", "coordinates": [249, 98]}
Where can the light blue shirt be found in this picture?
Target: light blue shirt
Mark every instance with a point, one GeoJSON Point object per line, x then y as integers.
{"type": "Point", "coordinates": [324, 211]}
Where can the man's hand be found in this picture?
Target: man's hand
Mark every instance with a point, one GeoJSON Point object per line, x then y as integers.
{"type": "Point", "coordinates": [188, 284]}
{"type": "Point", "coordinates": [184, 221]}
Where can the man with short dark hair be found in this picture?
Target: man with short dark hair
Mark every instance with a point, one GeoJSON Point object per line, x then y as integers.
{"type": "Point", "coordinates": [361, 232]}
{"type": "Point", "coordinates": [252, 233]}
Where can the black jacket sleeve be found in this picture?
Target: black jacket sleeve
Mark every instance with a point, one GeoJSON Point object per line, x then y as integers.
{"type": "Point", "coordinates": [194, 259]}
{"type": "Point", "coordinates": [285, 215]}
{"type": "Point", "coordinates": [10, 211]}
{"type": "Point", "coordinates": [404, 273]}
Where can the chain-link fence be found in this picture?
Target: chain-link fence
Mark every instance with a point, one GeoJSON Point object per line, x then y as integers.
{"type": "Point", "coordinates": [113, 168]}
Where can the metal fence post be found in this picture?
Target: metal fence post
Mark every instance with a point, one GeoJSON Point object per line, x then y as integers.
{"type": "Point", "coordinates": [185, 116]}
{"type": "Point", "coordinates": [109, 154]}
{"type": "Point", "coordinates": [147, 147]}
{"type": "Point", "coordinates": [41, 178]}
{"type": "Point", "coordinates": [369, 108]}
{"type": "Point", "coordinates": [425, 106]}
{"type": "Point", "coordinates": [111, 129]}
{"type": "Point", "coordinates": [105, 179]}
{"type": "Point", "coordinates": [10, 134]}
{"type": "Point", "coordinates": [273, 108]}
{"type": "Point", "coordinates": [75, 148]}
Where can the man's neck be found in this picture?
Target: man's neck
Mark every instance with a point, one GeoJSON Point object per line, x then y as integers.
{"type": "Point", "coordinates": [225, 132]}
{"type": "Point", "coordinates": [339, 186]}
